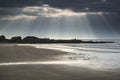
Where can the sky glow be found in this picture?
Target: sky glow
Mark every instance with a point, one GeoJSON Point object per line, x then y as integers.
{"type": "Point", "coordinates": [49, 21]}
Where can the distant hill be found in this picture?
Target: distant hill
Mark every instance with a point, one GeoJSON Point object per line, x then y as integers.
{"type": "Point", "coordinates": [33, 39]}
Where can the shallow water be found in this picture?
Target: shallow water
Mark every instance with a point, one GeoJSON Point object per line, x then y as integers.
{"type": "Point", "coordinates": [95, 56]}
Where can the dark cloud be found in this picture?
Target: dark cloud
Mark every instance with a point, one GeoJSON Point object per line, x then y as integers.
{"type": "Point", "coordinates": [18, 3]}
{"type": "Point", "coordinates": [80, 5]}
{"type": "Point", "coordinates": [77, 5]}
{"type": "Point", "coordinates": [9, 11]}
{"type": "Point", "coordinates": [13, 7]}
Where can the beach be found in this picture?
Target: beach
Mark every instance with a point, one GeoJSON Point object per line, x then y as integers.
{"type": "Point", "coordinates": [19, 63]}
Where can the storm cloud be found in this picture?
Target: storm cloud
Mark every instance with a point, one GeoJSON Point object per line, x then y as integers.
{"type": "Point", "coordinates": [97, 12]}
{"type": "Point", "coordinates": [15, 8]}
{"type": "Point", "coordinates": [10, 7]}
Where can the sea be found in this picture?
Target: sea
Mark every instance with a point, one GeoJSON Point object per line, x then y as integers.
{"type": "Point", "coordinates": [99, 56]}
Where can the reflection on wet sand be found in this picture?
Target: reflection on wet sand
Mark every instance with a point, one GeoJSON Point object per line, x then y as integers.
{"type": "Point", "coordinates": [29, 63]}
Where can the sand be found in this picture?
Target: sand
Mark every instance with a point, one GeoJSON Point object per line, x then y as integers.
{"type": "Point", "coordinates": [25, 53]}
{"type": "Point", "coordinates": [47, 71]}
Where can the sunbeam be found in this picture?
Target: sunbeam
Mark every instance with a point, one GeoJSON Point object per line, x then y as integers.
{"type": "Point", "coordinates": [51, 22]}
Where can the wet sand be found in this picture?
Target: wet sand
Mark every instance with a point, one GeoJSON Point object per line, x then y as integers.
{"type": "Point", "coordinates": [46, 71]}
{"type": "Point", "coordinates": [26, 53]}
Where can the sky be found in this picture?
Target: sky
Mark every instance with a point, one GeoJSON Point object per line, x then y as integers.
{"type": "Point", "coordinates": [60, 19]}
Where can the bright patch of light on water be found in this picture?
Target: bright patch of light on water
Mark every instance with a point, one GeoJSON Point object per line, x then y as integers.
{"type": "Point", "coordinates": [95, 56]}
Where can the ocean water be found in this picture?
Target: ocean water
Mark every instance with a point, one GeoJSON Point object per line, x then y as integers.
{"type": "Point", "coordinates": [95, 56]}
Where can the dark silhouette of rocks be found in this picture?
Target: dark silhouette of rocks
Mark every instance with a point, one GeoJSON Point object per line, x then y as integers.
{"type": "Point", "coordinates": [16, 39]}
{"type": "Point", "coordinates": [2, 39]}
{"type": "Point", "coordinates": [30, 39]}
{"type": "Point", "coordinates": [33, 39]}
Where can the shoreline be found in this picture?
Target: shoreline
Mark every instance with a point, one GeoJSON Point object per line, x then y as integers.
{"type": "Point", "coordinates": [27, 53]}
{"type": "Point", "coordinates": [46, 71]}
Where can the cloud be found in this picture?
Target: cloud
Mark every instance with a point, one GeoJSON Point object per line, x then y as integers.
{"type": "Point", "coordinates": [47, 11]}
{"type": "Point", "coordinates": [40, 10]}
{"type": "Point", "coordinates": [18, 3]}
{"type": "Point", "coordinates": [44, 11]}
{"type": "Point", "coordinates": [22, 16]}
{"type": "Point", "coordinates": [55, 8]}
{"type": "Point", "coordinates": [76, 5]}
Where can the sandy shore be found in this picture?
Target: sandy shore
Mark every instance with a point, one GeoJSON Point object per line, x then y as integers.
{"type": "Point", "coordinates": [25, 53]}
{"type": "Point", "coordinates": [44, 72]}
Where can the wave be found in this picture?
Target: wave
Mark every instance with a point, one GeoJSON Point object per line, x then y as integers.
{"type": "Point", "coordinates": [96, 56]}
